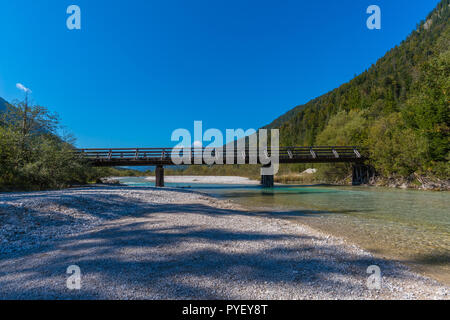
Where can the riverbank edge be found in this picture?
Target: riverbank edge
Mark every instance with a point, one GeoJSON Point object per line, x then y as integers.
{"type": "Point", "coordinates": [414, 182]}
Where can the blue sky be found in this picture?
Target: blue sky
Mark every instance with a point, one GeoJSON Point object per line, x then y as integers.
{"type": "Point", "coordinates": [137, 70]}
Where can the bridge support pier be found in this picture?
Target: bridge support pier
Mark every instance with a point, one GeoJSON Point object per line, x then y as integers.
{"type": "Point", "coordinates": [362, 174]}
{"type": "Point", "coordinates": [159, 176]}
{"type": "Point", "coordinates": [267, 181]}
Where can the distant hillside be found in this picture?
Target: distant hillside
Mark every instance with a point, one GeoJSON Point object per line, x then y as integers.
{"type": "Point", "coordinates": [386, 84]}
{"type": "Point", "coordinates": [408, 87]}
{"type": "Point", "coordinates": [3, 104]}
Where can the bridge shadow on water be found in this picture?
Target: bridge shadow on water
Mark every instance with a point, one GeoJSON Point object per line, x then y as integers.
{"type": "Point", "coordinates": [144, 256]}
{"type": "Point", "coordinates": [254, 191]}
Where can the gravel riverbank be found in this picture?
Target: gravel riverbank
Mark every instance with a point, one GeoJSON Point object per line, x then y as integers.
{"type": "Point", "coordinates": [146, 243]}
{"type": "Point", "coordinates": [208, 179]}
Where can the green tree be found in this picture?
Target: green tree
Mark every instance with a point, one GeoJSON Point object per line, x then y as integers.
{"type": "Point", "coordinates": [396, 149]}
{"type": "Point", "coordinates": [343, 129]}
{"type": "Point", "coordinates": [428, 110]}
{"type": "Point", "coordinates": [33, 155]}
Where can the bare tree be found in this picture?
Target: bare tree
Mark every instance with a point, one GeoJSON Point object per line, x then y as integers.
{"type": "Point", "coordinates": [27, 121]}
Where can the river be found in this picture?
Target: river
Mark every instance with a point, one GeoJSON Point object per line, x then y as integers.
{"type": "Point", "coordinates": [410, 226]}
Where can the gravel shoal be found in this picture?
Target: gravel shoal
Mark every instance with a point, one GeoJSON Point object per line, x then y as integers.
{"type": "Point", "coordinates": [146, 243]}
{"type": "Point", "coordinates": [207, 179]}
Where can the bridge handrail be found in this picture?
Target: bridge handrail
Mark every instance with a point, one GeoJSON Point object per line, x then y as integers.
{"type": "Point", "coordinates": [211, 148]}
{"type": "Point", "coordinates": [165, 153]}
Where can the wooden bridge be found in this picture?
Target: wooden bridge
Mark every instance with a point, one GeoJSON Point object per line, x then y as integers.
{"type": "Point", "coordinates": [161, 157]}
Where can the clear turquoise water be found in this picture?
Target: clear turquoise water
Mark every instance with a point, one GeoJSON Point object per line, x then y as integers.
{"type": "Point", "coordinates": [408, 225]}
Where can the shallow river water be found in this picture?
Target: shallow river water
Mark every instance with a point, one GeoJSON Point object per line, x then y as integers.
{"type": "Point", "coordinates": [406, 225]}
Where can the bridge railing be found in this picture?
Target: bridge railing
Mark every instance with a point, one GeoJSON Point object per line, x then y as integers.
{"type": "Point", "coordinates": [164, 154]}
{"type": "Point", "coordinates": [126, 153]}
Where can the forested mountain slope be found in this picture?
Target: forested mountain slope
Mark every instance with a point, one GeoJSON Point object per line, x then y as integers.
{"type": "Point", "coordinates": [398, 109]}
{"type": "Point", "coordinates": [3, 104]}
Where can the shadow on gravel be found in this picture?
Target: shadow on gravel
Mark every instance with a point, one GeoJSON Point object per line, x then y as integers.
{"type": "Point", "coordinates": [90, 205]}
{"type": "Point", "coordinates": [131, 259]}
{"type": "Point", "coordinates": [86, 202]}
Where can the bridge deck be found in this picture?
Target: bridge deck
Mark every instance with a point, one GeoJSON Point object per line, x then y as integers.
{"type": "Point", "coordinates": [162, 156]}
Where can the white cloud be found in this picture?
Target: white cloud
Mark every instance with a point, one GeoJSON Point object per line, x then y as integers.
{"type": "Point", "coordinates": [197, 144]}
{"type": "Point", "coordinates": [22, 87]}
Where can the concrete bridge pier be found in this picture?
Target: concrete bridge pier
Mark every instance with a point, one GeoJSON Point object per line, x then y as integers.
{"type": "Point", "coordinates": [361, 174]}
{"type": "Point", "coordinates": [159, 176]}
{"type": "Point", "coordinates": [267, 181]}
